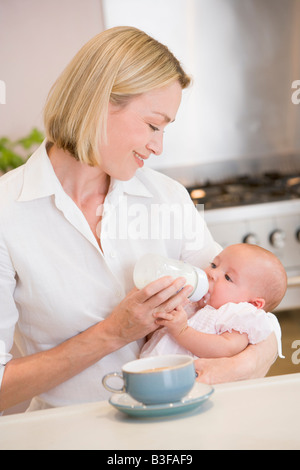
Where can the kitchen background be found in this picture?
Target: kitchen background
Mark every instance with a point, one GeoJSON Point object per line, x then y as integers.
{"type": "Point", "coordinates": [236, 121]}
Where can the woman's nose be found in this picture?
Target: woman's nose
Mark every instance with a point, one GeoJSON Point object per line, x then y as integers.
{"type": "Point", "coordinates": [156, 143]}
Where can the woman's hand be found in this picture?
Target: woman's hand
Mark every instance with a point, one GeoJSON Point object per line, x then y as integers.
{"type": "Point", "coordinates": [135, 317]}
{"type": "Point", "coordinates": [254, 362]}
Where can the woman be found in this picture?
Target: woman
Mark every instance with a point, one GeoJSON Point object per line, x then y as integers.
{"type": "Point", "coordinates": [66, 260]}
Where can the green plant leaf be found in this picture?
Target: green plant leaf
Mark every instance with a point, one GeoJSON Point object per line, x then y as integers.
{"type": "Point", "coordinates": [35, 137]}
{"type": "Point", "coordinates": [9, 155]}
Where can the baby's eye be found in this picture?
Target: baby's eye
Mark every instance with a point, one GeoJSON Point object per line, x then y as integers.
{"type": "Point", "coordinates": [228, 278]}
{"type": "Point", "coordinates": [213, 265]}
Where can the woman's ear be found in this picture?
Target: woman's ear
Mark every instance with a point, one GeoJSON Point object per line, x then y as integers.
{"type": "Point", "coordinates": [258, 302]}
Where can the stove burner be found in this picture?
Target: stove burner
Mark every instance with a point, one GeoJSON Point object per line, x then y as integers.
{"type": "Point", "coordinates": [244, 190]}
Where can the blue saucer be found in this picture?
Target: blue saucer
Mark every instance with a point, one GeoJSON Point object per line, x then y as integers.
{"type": "Point", "coordinates": [126, 404]}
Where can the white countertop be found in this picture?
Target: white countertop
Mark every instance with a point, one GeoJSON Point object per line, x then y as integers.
{"type": "Point", "coordinates": [256, 414]}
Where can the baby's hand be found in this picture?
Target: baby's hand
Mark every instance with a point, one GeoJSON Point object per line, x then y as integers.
{"type": "Point", "coordinates": [193, 307]}
{"type": "Point", "coordinates": [175, 321]}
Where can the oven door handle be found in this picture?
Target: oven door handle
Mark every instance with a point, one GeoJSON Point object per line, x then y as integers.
{"type": "Point", "coordinates": [294, 281]}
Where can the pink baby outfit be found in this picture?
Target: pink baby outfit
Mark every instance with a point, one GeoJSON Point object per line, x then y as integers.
{"type": "Point", "coordinates": [242, 317]}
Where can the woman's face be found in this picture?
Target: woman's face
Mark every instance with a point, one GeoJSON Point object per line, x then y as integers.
{"type": "Point", "coordinates": [135, 131]}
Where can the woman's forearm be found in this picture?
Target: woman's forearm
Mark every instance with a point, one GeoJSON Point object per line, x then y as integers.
{"type": "Point", "coordinates": [131, 320]}
{"type": "Point", "coordinates": [257, 359]}
{"type": "Point", "coordinates": [254, 362]}
{"type": "Point", "coordinates": [32, 375]}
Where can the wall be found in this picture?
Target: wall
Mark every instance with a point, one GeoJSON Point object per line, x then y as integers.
{"type": "Point", "coordinates": [37, 40]}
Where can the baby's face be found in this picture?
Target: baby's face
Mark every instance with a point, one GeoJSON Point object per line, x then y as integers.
{"type": "Point", "coordinates": [232, 277]}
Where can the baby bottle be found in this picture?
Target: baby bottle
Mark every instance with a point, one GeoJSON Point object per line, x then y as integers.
{"type": "Point", "coordinates": [151, 267]}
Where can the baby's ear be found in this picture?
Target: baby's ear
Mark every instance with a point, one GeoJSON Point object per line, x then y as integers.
{"type": "Point", "coordinates": [258, 302]}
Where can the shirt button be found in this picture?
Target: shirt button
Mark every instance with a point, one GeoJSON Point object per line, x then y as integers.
{"type": "Point", "coordinates": [113, 254]}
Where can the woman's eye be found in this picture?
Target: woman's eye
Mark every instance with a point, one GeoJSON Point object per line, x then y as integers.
{"type": "Point", "coordinates": [228, 278]}
{"type": "Point", "coordinates": [155, 129]}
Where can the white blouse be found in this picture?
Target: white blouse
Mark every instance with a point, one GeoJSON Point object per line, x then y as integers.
{"type": "Point", "coordinates": [55, 282]}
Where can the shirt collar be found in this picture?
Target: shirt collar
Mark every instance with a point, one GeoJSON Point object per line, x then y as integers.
{"type": "Point", "coordinates": [135, 187]}
{"type": "Point", "coordinates": [41, 181]}
{"type": "Point", "coordinates": [39, 178]}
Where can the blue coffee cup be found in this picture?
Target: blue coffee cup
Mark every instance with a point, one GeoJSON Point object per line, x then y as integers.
{"type": "Point", "coordinates": [155, 380]}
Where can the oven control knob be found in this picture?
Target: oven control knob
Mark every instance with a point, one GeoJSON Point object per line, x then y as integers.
{"type": "Point", "coordinates": [251, 239]}
{"type": "Point", "coordinates": [277, 239]}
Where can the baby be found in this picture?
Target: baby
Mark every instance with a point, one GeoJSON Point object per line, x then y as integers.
{"type": "Point", "coordinates": [245, 282]}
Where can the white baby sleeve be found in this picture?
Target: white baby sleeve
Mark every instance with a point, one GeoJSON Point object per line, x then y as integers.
{"type": "Point", "coordinates": [246, 318]}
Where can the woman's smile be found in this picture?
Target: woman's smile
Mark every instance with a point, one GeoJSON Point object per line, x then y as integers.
{"type": "Point", "coordinates": [135, 131]}
{"type": "Point", "coordinates": [140, 159]}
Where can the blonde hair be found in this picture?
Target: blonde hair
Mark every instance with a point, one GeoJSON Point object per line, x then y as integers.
{"type": "Point", "coordinates": [114, 66]}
